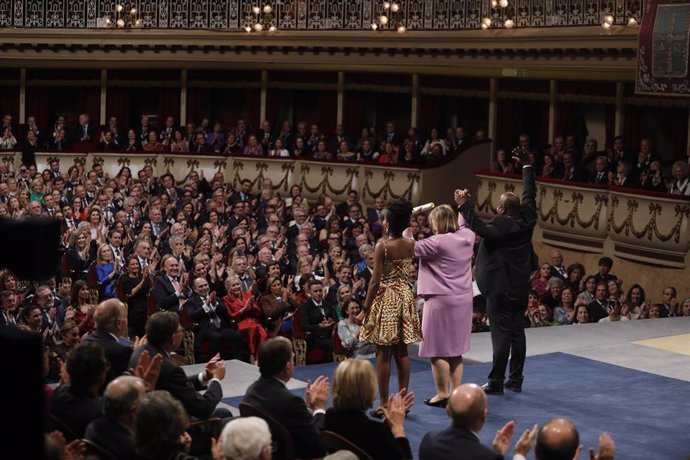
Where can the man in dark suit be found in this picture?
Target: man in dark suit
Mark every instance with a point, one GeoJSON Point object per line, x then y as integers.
{"type": "Point", "coordinates": [114, 431]}
{"type": "Point", "coordinates": [505, 261]}
{"type": "Point", "coordinates": [111, 325]}
{"type": "Point", "coordinates": [85, 133]}
{"type": "Point", "coordinates": [318, 319]}
{"type": "Point", "coordinates": [303, 418]}
{"type": "Point", "coordinates": [557, 268]}
{"type": "Point", "coordinates": [599, 308]}
{"type": "Point", "coordinates": [604, 274]}
{"type": "Point", "coordinates": [8, 307]}
{"type": "Point", "coordinates": [165, 335]}
{"type": "Point", "coordinates": [215, 325]}
{"type": "Point", "coordinates": [77, 404]}
{"type": "Point", "coordinates": [468, 410]}
{"type": "Point", "coordinates": [244, 194]}
{"type": "Point", "coordinates": [344, 208]}
{"type": "Point", "coordinates": [169, 289]}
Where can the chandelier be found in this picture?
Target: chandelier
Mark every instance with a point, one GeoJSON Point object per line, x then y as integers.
{"type": "Point", "coordinates": [390, 18]}
{"type": "Point", "coordinates": [487, 22]}
{"type": "Point", "coordinates": [123, 18]}
{"type": "Point", "coordinates": [260, 19]}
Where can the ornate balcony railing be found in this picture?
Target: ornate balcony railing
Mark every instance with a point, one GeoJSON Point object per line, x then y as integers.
{"type": "Point", "coordinates": [235, 15]}
{"type": "Point", "coordinates": [642, 226]}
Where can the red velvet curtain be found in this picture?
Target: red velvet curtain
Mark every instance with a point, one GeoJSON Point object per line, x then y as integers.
{"type": "Point", "coordinates": [273, 106]}
{"type": "Point", "coordinates": [194, 96]}
{"type": "Point", "coordinates": [117, 105]}
{"type": "Point", "coordinates": [508, 123]}
{"type": "Point", "coordinates": [90, 102]}
{"type": "Point", "coordinates": [428, 115]}
{"type": "Point", "coordinates": [168, 104]}
{"type": "Point", "coordinates": [564, 113]}
{"type": "Point", "coordinates": [516, 117]}
{"type": "Point", "coordinates": [9, 101]}
{"type": "Point", "coordinates": [610, 120]}
{"type": "Point", "coordinates": [328, 108]}
{"type": "Point", "coordinates": [354, 111]}
{"type": "Point", "coordinates": [679, 132]}
{"type": "Point", "coordinates": [253, 108]}
{"type": "Point", "coordinates": [633, 127]}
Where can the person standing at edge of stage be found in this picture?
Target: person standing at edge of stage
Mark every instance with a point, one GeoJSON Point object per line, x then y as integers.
{"type": "Point", "coordinates": [445, 283]}
{"type": "Point", "coordinates": [504, 263]}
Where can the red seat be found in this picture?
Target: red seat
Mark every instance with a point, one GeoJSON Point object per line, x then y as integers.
{"type": "Point", "coordinates": [120, 289]}
{"type": "Point", "coordinates": [151, 303]}
{"type": "Point", "coordinates": [65, 265]}
{"type": "Point", "coordinates": [92, 277]}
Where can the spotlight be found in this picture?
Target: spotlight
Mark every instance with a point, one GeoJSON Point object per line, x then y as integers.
{"type": "Point", "coordinates": [502, 3]}
{"type": "Point", "coordinates": [383, 20]}
{"type": "Point", "coordinates": [494, 4]}
{"type": "Point", "coordinates": [395, 7]}
{"type": "Point", "coordinates": [258, 27]}
{"type": "Point", "coordinates": [256, 10]}
{"type": "Point", "coordinates": [386, 5]}
{"type": "Point", "coordinates": [268, 9]}
{"type": "Point", "coordinates": [606, 25]}
{"type": "Point", "coordinates": [486, 22]}
{"type": "Point", "coordinates": [248, 29]}
{"type": "Point", "coordinates": [374, 27]}
{"type": "Point", "coordinates": [608, 19]}
{"type": "Point", "coordinates": [120, 22]}
{"type": "Point", "coordinates": [272, 29]}
{"type": "Point", "coordinates": [119, 8]}
{"type": "Point", "coordinates": [632, 22]}
{"type": "Point", "coordinates": [509, 24]}
{"type": "Point", "coordinates": [401, 29]}
{"type": "Point", "coordinates": [133, 11]}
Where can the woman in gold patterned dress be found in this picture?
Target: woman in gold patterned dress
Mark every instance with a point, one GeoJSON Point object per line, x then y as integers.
{"type": "Point", "coordinates": [390, 319]}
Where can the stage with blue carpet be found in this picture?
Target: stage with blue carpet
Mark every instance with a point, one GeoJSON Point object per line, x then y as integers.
{"type": "Point", "coordinates": [646, 414]}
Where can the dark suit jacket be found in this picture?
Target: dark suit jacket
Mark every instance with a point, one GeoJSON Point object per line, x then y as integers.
{"type": "Point", "coordinates": [374, 437]}
{"type": "Point", "coordinates": [271, 396]}
{"type": "Point", "coordinates": [557, 274]}
{"type": "Point", "coordinates": [115, 352]}
{"type": "Point", "coordinates": [186, 389]}
{"type": "Point", "coordinates": [112, 436]}
{"type": "Point", "coordinates": [163, 290]}
{"type": "Point", "coordinates": [597, 311]}
{"type": "Point", "coordinates": [505, 257]}
{"type": "Point", "coordinates": [196, 313]}
{"type": "Point", "coordinates": [75, 411]}
{"type": "Point", "coordinates": [452, 443]}
{"type": "Point", "coordinates": [312, 317]}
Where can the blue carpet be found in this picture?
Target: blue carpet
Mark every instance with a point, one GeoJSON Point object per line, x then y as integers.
{"type": "Point", "coordinates": [647, 415]}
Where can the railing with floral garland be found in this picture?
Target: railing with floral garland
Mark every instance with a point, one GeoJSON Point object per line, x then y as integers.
{"type": "Point", "coordinates": [632, 224]}
{"type": "Point", "coordinates": [236, 15]}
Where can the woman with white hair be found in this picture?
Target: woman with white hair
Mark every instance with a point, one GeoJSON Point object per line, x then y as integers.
{"type": "Point", "coordinates": [246, 438]}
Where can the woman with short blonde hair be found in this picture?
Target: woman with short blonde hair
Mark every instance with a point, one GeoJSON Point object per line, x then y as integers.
{"type": "Point", "coordinates": [443, 219]}
{"type": "Point", "coordinates": [354, 391]}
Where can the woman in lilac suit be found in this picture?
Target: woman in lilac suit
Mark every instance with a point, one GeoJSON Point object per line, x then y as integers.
{"type": "Point", "coordinates": [445, 284]}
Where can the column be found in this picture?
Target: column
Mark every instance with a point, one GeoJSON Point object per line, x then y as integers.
{"type": "Point", "coordinates": [415, 100]}
{"type": "Point", "coordinates": [183, 97]}
{"type": "Point", "coordinates": [553, 90]}
{"type": "Point", "coordinates": [493, 113]}
{"type": "Point", "coordinates": [104, 93]}
{"type": "Point", "coordinates": [341, 98]}
{"type": "Point", "coordinates": [619, 109]}
{"type": "Point", "coordinates": [264, 92]}
{"type": "Point", "coordinates": [22, 96]}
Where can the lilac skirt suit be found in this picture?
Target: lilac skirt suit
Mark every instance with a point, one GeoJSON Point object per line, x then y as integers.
{"type": "Point", "coordinates": [445, 283]}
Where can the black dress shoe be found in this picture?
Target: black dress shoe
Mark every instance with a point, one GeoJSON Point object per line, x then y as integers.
{"type": "Point", "coordinates": [440, 403]}
{"type": "Point", "coordinates": [492, 389]}
{"type": "Point", "coordinates": [515, 388]}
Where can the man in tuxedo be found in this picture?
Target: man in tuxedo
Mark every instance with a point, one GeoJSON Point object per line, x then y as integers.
{"type": "Point", "coordinates": [557, 268]}
{"type": "Point", "coordinates": [244, 194]}
{"type": "Point", "coordinates": [111, 326]}
{"type": "Point", "coordinates": [169, 288]}
{"type": "Point", "coordinates": [391, 135]}
{"type": "Point", "coordinates": [165, 335]}
{"type": "Point", "coordinates": [618, 153]}
{"type": "Point", "coordinates": [318, 319]}
{"type": "Point", "coordinates": [598, 308]}
{"type": "Point", "coordinates": [468, 411]}
{"type": "Point", "coordinates": [85, 132]}
{"type": "Point", "coordinates": [600, 176]}
{"type": "Point", "coordinates": [295, 226]}
{"type": "Point", "coordinates": [303, 418]}
{"type": "Point", "coordinates": [336, 138]}
{"type": "Point", "coordinates": [114, 430]}
{"type": "Point", "coordinates": [505, 261]}
{"type": "Point", "coordinates": [215, 325]}
{"type": "Point", "coordinates": [265, 136]}
{"type": "Point", "coordinates": [604, 274]}
{"type": "Point", "coordinates": [8, 305]}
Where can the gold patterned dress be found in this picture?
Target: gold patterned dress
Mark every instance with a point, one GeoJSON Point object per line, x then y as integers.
{"type": "Point", "coordinates": [393, 314]}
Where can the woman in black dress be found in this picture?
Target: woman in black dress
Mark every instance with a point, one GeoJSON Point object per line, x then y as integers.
{"type": "Point", "coordinates": [135, 289]}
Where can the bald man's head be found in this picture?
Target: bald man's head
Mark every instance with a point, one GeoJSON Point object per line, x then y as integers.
{"type": "Point", "coordinates": [121, 397]}
{"type": "Point", "coordinates": [558, 439]}
{"type": "Point", "coordinates": [467, 407]}
{"type": "Point", "coordinates": [111, 316]}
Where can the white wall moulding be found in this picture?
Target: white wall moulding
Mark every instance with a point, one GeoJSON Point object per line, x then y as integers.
{"type": "Point", "coordinates": [642, 226]}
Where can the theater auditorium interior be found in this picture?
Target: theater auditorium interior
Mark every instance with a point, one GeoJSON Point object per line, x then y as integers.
{"type": "Point", "coordinates": [200, 215]}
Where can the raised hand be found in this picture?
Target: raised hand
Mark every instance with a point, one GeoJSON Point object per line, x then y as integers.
{"type": "Point", "coordinates": [501, 441]}
{"type": "Point", "coordinates": [607, 449]}
{"type": "Point", "coordinates": [316, 396]}
{"type": "Point", "coordinates": [526, 441]}
{"type": "Point", "coordinates": [394, 415]}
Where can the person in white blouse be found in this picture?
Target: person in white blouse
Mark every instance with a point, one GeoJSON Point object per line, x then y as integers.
{"type": "Point", "coordinates": [348, 332]}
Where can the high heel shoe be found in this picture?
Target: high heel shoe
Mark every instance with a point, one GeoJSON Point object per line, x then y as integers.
{"type": "Point", "coordinates": [439, 403]}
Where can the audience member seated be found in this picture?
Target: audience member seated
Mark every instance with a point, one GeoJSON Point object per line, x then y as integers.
{"type": "Point", "coordinates": [164, 335]}
{"type": "Point", "coordinates": [553, 294]}
{"type": "Point", "coordinates": [215, 324]}
{"type": "Point", "coordinates": [348, 333]}
{"type": "Point", "coordinates": [111, 331]}
{"type": "Point", "coordinates": [318, 320]}
{"type": "Point", "coordinates": [160, 428]}
{"type": "Point", "coordinates": [246, 438]}
{"type": "Point", "coordinates": [468, 410]}
{"type": "Point", "coordinates": [604, 274]}
{"type": "Point", "coordinates": [114, 430]}
{"type": "Point", "coordinates": [599, 308]}
{"type": "Point", "coordinates": [303, 418]}
{"type": "Point", "coordinates": [245, 312]}
{"type": "Point", "coordinates": [354, 392]}
{"type": "Point", "coordinates": [77, 403]}
{"type": "Point", "coordinates": [581, 315]}
{"type": "Point", "coordinates": [169, 288]}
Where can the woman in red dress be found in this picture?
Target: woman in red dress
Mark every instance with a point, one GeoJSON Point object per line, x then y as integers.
{"type": "Point", "coordinates": [244, 310]}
